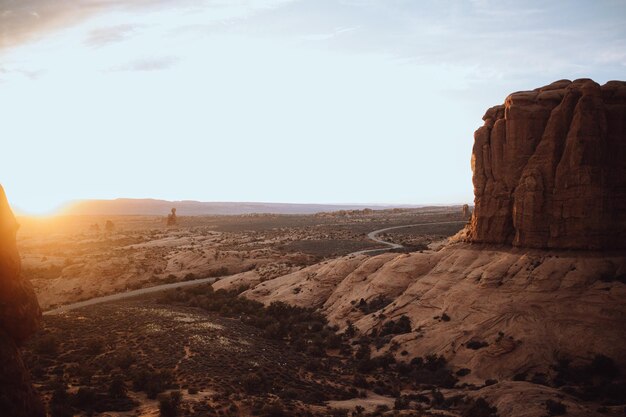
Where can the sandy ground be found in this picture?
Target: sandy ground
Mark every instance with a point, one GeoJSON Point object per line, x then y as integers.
{"type": "Point", "coordinates": [67, 260]}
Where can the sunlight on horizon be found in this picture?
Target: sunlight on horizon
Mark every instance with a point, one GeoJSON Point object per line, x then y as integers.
{"type": "Point", "coordinates": [275, 101]}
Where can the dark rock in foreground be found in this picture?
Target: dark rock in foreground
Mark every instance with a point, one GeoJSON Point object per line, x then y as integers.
{"type": "Point", "coordinates": [20, 317]}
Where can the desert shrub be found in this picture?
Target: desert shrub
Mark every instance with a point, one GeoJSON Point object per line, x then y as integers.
{"type": "Point", "coordinates": [140, 379]}
{"type": "Point", "coordinates": [403, 325]}
{"type": "Point", "coordinates": [476, 344]}
{"type": "Point", "coordinates": [290, 394]}
{"type": "Point", "coordinates": [540, 378]}
{"type": "Point", "coordinates": [350, 331]}
{"type": "Point", "coordinates": [338, 412]}
{"type": "Point", "coordinates": [479, 408]}
{"type": "Point", "coordinates": [521, 376]}
{"type": "Point", "coordinates": [358, 410]}
{"type": "Point", "coordinates": [94, 347]}
{"type": "Point", "coordinates": [279, 321]}
{"type": "Point", "coordinates": [366, 365]}
{"type": "Point", "coordinates": [334, 341]}
{"type": "Point", "coordinates": [190, 277]}
{"type": "Point", "coordinates": [364, 351]}
{"type": "Point", "coordinates": [613, 278]}
{"type": "Point", "coordinates": [48, 345]}
{"type": "Point", "coordinates": [117, 387]}
{"type": "Point", "coordinates": [385, 361]}
{"type": "Point", "coordinates": [157, 384]}
{"type": "Point", "coordinates": [171, 278]}
{"type": "Point", "coordinates": [124, 359]}
{"type": "Point", "coordinates": [273, 409]}
{"type": "Point", "coordinates": [361, 382]}
{"type": "Point", "coordinates": [255, 382]}
{"type": "Point", "coordinates": [437, 397]}
{"type": "Point", "coordinates": [595, 381]}
{"type": "Point", "coordinates": [375, 304]}
{"type": "Point", "coordinates": [432, 371]}
{"type": "Point", "coordinates": [60, 405]}
{"type": "Point", "coordinates": [401, 403]}
{"type": "Point", "coordinates": [169, 405]}
{"type": "Point", "coordinates": [604, 367]}
{"type": "Point", "coordinates": [219, 272]}
{"type": "Point", "coordinates": [313, 365]}
{"type": "Point", "coordinates": [84, 398]}
{"type": "Point", "coordinates": [555, 408]}
{"type": "Point", "coordinates": [151, 382]}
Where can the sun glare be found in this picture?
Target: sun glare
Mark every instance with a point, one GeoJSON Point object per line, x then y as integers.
{"type": "Point", "coordinates": [39, 209]}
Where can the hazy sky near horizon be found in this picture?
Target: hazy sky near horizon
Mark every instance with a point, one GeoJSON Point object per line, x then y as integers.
{"type": "Point", "coordinates": [310, 101]}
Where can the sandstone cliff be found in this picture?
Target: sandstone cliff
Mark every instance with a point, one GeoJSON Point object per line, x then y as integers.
{"type": "Point", "coordinates": [20, 317]}
{"type": "Point", "coordinates": [550, 168]}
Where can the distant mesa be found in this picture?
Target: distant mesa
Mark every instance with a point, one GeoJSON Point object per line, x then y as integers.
{"type": "Point", "coordinates": [549, 168]}
{"type": "Point", "coordinates": [152, 207]}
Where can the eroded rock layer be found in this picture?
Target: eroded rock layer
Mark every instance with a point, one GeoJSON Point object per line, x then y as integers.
{"type": "Point", "coordinates": [550, 168]}
{"type": "Point", "coordinates": [545, 303]}
{"type": "Point", "coordinates": [20, 317]}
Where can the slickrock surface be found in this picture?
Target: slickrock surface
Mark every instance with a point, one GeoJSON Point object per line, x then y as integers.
{"type": "Point", "coordinates": [539, 301]}
{"type": "Point", "coordinates": [527, 309]}
{"type": "Point", "coordinates": [20, 317]}
{"type": "Point", "coordinates": [550, 168]}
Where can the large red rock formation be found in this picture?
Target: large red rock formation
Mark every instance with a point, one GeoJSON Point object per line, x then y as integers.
{"type": "Point", "coordinates": [550, 168]}
{"type": "Point", "coordinates": [20, 317]}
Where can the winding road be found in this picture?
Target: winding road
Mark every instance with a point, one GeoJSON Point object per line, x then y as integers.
{"type": "Point", "coordinates": [128, 294]}
{"type": "Point", "coordinates": [391, 245]}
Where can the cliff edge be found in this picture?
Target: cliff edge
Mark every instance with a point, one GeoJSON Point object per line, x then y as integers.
{"type": "Point", "coordinates": [549, 168]}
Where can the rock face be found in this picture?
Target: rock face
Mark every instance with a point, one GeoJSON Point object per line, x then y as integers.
{"type": "Point", "coordinates": [550, 168]}
{"type": "Point", "coordinates": [20, 316]}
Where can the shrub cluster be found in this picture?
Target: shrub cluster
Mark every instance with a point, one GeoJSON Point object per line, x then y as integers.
{"type": "Point", "coordinates": [403, 325]}
{"type": "Point", "coordinates": [597, 381]}
{"type": "Point", "coordinates": [375, 304]}
{"type": "Point", "coordinates": [302, 328]}
{"type": "Point", "coordinates": [152, 382]}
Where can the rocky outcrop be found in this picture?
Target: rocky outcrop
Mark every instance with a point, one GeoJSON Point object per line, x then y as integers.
{"type": "Point", "coordinates": [550, 168]}
{"type": "Point", "coordinates": [171, 218]}
{"type": "Point", "coordinates": [20, 317]}
{"type": "Point", "coordinates": [545, 304]}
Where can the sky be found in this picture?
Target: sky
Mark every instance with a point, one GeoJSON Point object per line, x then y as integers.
{"type": "Point", "coordinates": [301, 101]}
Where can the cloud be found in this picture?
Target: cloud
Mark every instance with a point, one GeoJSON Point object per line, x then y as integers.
{"type": "Point", "coordinates": [325, 36]}
{"type": "Point", "coordinates": [504, 38]}
{"type": "Point", "coordinates": [25, 20]}
{"type": "Point", "coordinates": [30, 74]}
{"type": "Point", "coordinates": [103, 36]}
{"type": "Point", "coordinates": [148, 64]}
